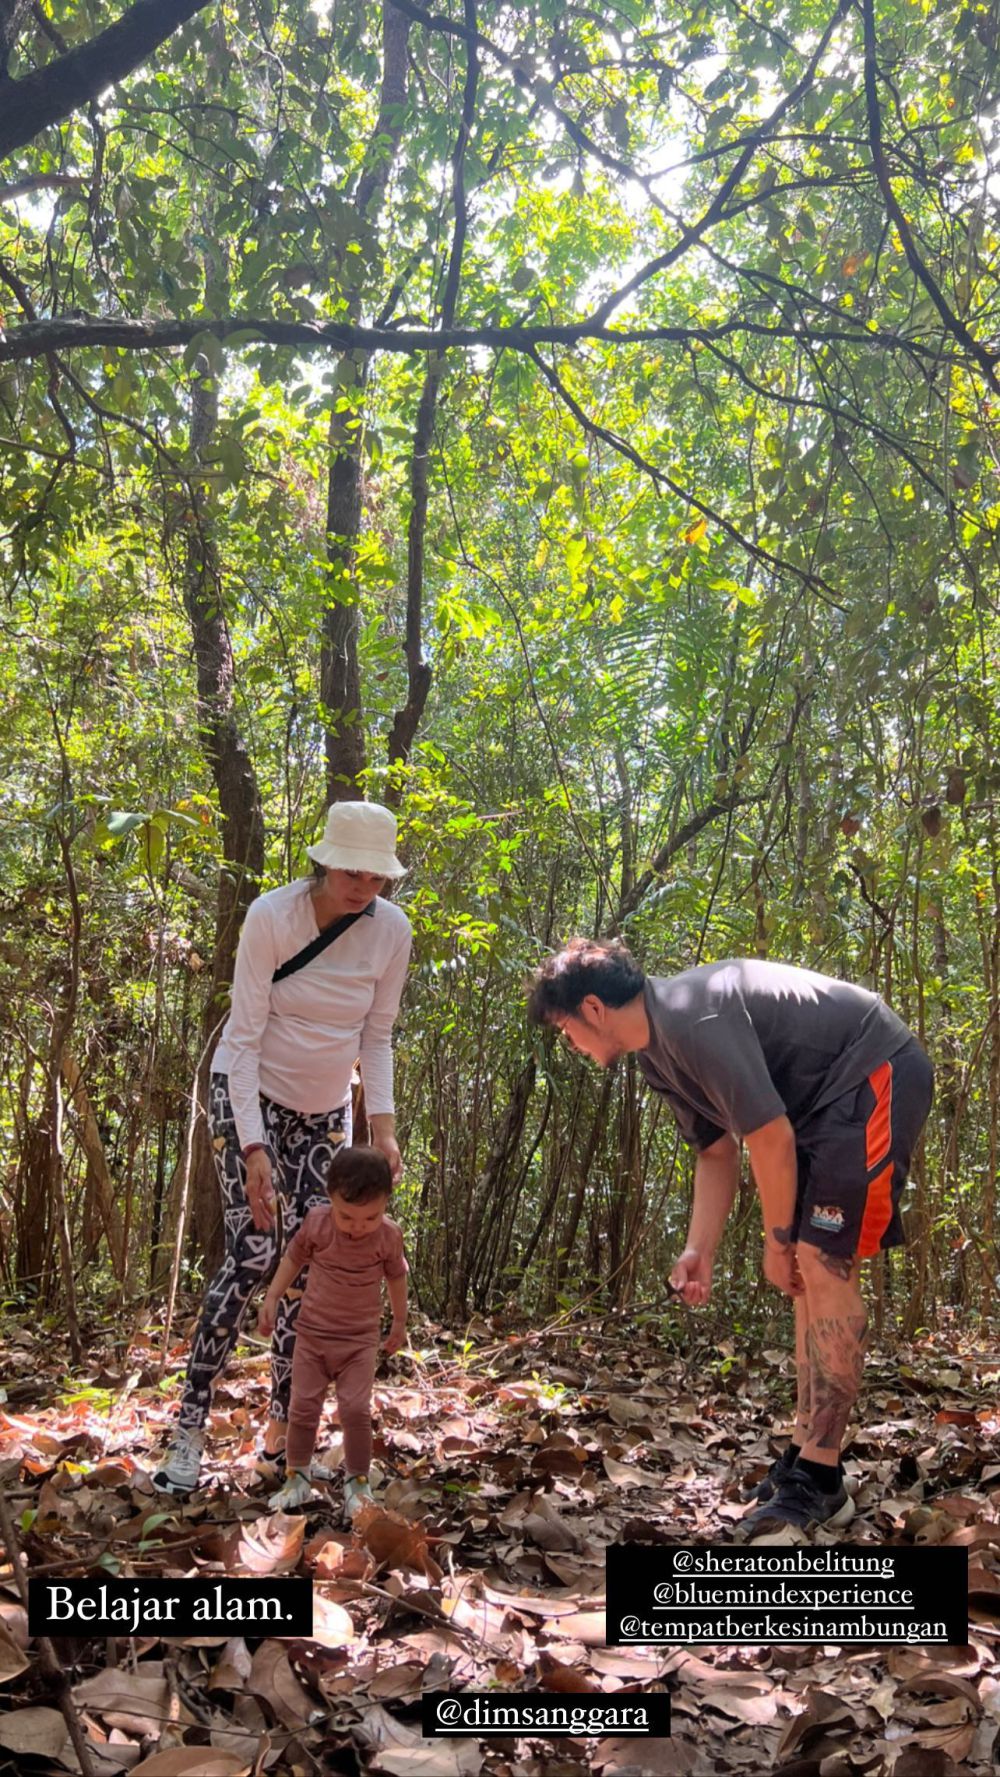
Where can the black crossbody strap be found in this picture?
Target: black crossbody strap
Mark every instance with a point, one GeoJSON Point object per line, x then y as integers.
{"type": "Point", "coordinates": [317, 945]}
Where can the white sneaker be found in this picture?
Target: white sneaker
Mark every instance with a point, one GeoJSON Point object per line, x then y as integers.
{"type": "Point", "coordinates": [297, 1490]}
{"type": "Point", "coordinates": [356, 1494]}
{"type": "Point", "coordinates": [180, 1468]}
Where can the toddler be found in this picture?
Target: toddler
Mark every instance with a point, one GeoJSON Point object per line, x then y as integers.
{"type": "Point", "coordinates": [348, 1248]}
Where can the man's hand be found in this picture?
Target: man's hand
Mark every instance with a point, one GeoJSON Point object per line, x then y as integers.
{"type": "Point", "coordinates": [260, 1189]}
{"type": "Point", "coordinates": [691, 1277]}
{"type": "Point", "coordinates": [781, 1268]}
{"type": "Point", "coordinates": [267, 1316]}
{"type": "Point", "coordinates": [395, 1339]}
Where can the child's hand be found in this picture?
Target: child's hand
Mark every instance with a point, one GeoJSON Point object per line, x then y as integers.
{"type": "Point", "coordinates": [266, 1317]}
{"type": "Point", "coordinates": [396, 1337]}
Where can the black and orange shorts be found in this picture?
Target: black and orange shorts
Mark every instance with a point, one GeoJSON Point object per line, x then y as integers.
{"type": "Point", "coordinates": [854, 1158]}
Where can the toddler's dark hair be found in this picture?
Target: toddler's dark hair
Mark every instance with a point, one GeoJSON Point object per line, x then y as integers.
{"type": "Point", "coordinates": [359, 1175]}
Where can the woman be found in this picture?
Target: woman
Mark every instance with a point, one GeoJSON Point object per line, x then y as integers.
{"type": "Point", "coordinates": [280, 1090]}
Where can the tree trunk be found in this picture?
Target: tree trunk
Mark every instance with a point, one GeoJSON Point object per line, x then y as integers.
{"type": "Point", "coordinates": [100, 1182]}
{"type": "Point", "coordinates": [418, 669]}
{"type": "Point", "coordinates": [235, 782]}
{"type": "Point", "coordinates": [501, 1158]}
{"type": "Point", "coordinates": [572, 1224]}
{"type": "Point", "coordinates": [340, 672]}
{"type": "Point", "coordinates": [32, 1233]}
{"type": "Point", "coordinates": [62, 1026]}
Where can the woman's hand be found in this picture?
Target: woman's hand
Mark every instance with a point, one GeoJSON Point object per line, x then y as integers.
{"type": "Point", "coordinates": [385, 1140]}
{"type": "Point", "coordinates": [395, 1339]}
{"type": "Point", "coordinates": [260, 1189]}
{"type": "Point", "coordinates": [267, 1317]}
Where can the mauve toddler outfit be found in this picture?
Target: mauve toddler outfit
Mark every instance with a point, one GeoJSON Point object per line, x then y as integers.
{"type": "Point", "coordinates": [338, 1332]}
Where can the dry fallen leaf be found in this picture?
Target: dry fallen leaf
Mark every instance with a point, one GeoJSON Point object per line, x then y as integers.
{"type": "Point", "coordinates": [405, 1753]}
{"type": "Point", "coordinates": [741, 1703]}
{"type": "Point", "coordinates": [272, 1678]}
{"type": "Point", "coordinates": [625, 1412]}
{"type": "Point", "coordinates": [623, 1475]}
{"type": "Point", "coordinates": [232, 1669]}
{"type": "Point", "coordinates": [273, 1545]}
{"type": "Point", "coordinates": [619, 1757]}
{"type": "Point", "coordinates": [398, 1681]}
{"type": "Point", "coordinates": [332, 1627]}
{"type": "Point", "coordinates": [12, 1659]}
{"type": "Point", "coordinates": [557, 1677]}
{"type": "Point", "coordinates": [824, 1713]}
{"type": "Point", "coordinates": [627, 1662]}
{"type": "Point", "coordinates": [38, 1733]}
{"type": "Point", "coordinates": [588, 1626]}
{"type": "Point", "coordinates": [192, 1761]}
{"type": "Point", "coordinates": [394, 1541]}
{"type": "Point", "coordinates": [547, 1530]}
{"type": "Point", "coordinates": [137, 1702]}
{"type": "Point", "coordinates": [534, 1603]}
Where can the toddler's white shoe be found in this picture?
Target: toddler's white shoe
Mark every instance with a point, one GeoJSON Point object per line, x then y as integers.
{"type": "Point", "coordinates": [296, 1491]}
{"type": "Point", "coordinates": [356, 1494]}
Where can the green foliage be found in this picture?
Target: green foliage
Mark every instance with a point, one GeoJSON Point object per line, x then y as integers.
{"type": "Point", "coordinates": [714, 666]}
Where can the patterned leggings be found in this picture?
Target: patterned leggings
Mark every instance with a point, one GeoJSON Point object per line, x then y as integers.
{"type": "Point", "coordinates": [301, 1150]}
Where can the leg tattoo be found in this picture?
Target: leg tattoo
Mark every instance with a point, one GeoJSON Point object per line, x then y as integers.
{"type": "Point", "coordinates": [838, 1267]}
{"type": "Point", "coordinates": [836, 1354]}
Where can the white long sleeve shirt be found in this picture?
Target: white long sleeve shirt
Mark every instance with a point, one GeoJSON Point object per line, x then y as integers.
{"type": "Point", "coordinates": [297, 1040]}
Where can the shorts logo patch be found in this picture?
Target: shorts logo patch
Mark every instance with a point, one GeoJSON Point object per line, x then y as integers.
{"type": "Point", "coordinates": [828, 1217]}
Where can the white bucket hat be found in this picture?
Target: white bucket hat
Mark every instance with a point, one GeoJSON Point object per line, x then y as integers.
{"type": "Point", "coordinates": [359, 836]}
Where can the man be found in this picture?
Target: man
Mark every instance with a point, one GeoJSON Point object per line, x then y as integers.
{"type": "Point", "coordinates": [829, 1091]}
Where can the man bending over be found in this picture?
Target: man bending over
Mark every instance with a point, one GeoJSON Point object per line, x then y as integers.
{"type": "Point", "coordinates": [829, 1090]}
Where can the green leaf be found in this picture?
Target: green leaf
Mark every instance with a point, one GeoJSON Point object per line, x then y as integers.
{"type": "Point", "coordinates": [151, 844]}
{"type": "Point", "coordinates": [204, 345]}
{"type": "Point", "coordinates": [120, 824]}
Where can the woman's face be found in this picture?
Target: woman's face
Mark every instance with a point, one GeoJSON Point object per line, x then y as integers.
{"type": "Point", "coordinates": [353, 889]}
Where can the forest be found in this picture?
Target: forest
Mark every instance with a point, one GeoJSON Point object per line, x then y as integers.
{"type": "Point", "coordinates": [578, 429]}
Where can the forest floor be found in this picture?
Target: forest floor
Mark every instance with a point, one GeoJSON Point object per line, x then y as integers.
{"type": "Point", "coordinates": [506, 1463]}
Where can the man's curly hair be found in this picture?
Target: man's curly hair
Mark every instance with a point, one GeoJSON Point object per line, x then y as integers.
{"type": "Point", "coordinates": [583, 966]}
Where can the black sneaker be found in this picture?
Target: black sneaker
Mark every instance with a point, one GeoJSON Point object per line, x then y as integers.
{"type": "Point", "coordinates": [799, 1500]}
{"type": "Point", "coordinates": [270, 1467]}
{"type": "Point", "coordinates": [768, 1487]}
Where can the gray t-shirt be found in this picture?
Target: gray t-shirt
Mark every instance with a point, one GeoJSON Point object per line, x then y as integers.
{"type": "Point", "coordinates": [735, 1044]}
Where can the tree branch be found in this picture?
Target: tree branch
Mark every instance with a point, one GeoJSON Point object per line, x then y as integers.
{"type": "Point", "coordinates": [40, 182]}
{"type": "Point", "coordinates": [71, 332]}
{"type": "Point", "coordinates": [683, 837]}
{"type": "Point", "coordinates": [953, 323]}
{"type": "Point", "coordinates": [49, 94]}
{"type": "Point", "coordinates": [623, 448]}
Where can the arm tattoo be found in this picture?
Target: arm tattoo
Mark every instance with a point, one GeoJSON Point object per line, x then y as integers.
{"type": "Point", "coordinates": [835, 1349]}
{"type": "Point", "coordinates": [781, 1235]}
